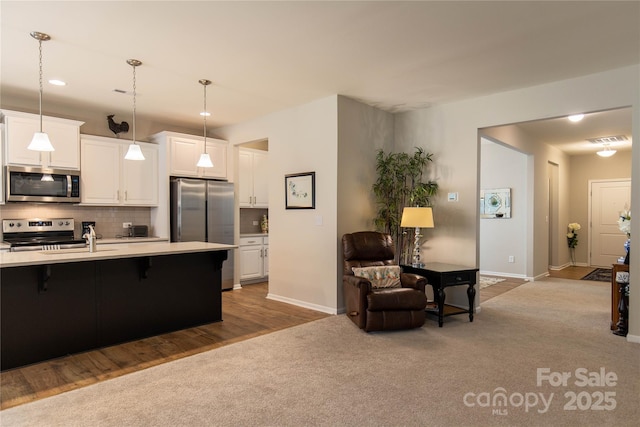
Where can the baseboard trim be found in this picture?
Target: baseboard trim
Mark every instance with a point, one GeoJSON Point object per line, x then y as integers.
{"type": "Point", "coordinates": [568, 264]}
{"type": "Point", "coordinates": [501, 274]}
{"type": "Point", "coordinates": [303, 304]}
{"type": "Point", "coordinates": [633, 338]}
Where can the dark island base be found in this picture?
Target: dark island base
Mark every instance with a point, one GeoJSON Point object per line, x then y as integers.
{"type": "Point", "coordinates": [49, 311]}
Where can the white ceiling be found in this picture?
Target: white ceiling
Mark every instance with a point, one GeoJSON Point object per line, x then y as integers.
{"type": "Point", "coordinates": [267, 56]}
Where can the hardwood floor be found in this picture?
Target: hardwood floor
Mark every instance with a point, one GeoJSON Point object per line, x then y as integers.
{"type": "Point", "coordinates": [500, 288]}
{"type": "Point", "coordinates": [246, 314]}
{"type": "Point", "coordinates": [572, 272]}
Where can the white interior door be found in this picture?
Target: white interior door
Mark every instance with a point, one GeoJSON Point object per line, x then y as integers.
{"type": "Point", "coordinates": [608, 198]}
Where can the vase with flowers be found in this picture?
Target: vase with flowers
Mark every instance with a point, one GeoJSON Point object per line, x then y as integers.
{"type": "Point", "coordinates": [624, 224]}
{"type": "Point", "coordinates": [572, 240]}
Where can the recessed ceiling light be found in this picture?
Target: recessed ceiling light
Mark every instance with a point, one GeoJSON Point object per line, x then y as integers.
{"type": "Point", "coordinates": [576, 117]}
{"type": "Point", "coordinates": [204, 113]}
{"type": "Point", "coordinates": [57, 82]}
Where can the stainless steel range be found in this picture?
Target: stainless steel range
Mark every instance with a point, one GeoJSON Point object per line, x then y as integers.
{"type": "Point", "coordinates": [39, 234]}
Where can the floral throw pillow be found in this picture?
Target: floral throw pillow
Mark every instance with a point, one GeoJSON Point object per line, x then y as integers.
{"type": "Point", "coordinates": [387, 276]}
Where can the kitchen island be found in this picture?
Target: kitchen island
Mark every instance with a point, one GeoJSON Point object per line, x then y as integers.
{"type": "Point", "coordinates": [55, 303]}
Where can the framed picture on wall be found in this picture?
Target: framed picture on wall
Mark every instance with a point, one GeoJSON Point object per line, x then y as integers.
{"type": "Point", "coordinates": [495, 203]}
{"type": "Point", "coordinates": [300, 190]}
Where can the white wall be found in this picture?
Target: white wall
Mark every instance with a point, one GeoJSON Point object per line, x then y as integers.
{"type": "Point", "coordinates": [305, 259]}
{"type": "Point", "coordinates": [302, 243]}
{"type": "Point", "coordinates": [504, 167]}
{"type": "Point", "coordinates": [362, 130]}
{"type": "Point", "coordinates": [583, 169]}
{"type": "Point", "coordinates": [539, 236]}
{"type": "Point", "coordinates": [451, 132]}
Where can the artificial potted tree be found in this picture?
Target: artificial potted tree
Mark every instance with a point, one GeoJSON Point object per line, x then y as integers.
{"type": "Point", "coordinates": [401, 183]}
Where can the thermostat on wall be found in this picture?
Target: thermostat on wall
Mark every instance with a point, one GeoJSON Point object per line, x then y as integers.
{"type": "Point", "coordinates": [452, 197]}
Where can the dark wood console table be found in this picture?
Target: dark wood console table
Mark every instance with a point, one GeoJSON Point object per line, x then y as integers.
{"type": "Point", "coordinates": [615, 293]}
{"type": "Point", "coordinates": [440, 276]}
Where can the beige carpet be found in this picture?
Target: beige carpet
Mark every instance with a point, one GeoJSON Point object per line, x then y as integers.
{"type": "Point", "coordinates": [330, 373]}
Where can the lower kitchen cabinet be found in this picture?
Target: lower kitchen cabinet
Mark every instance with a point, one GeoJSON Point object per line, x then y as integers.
{"type": "Point", "coordinates": [49, 311]}
{"type": "Point", "coordinates": [254, 258]}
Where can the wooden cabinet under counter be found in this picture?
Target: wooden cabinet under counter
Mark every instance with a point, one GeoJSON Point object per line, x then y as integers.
{"type": "Point", "coordinates": [61, 302]}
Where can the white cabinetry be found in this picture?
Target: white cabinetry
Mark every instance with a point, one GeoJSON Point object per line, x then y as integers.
{"type": "Point", "coordinates": [108, 179]}
{"type": "Point", "coordinates": [2, 164]}
{"type": "Point", "coordinates": [254, 258]}
{"type": "Point", "coordinates": [184, 153]}
{"type": "Point", "coordinates": [64, 135]}
{"type": "Point", "coordinates": [253, 189]}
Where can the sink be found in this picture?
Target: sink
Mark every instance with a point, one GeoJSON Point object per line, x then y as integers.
{"type": "Point", "coordinates": [72, 251]}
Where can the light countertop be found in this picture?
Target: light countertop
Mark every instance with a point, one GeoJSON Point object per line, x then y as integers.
{"type": "Point", "coordinates": [130, 240]}
{"type": "Point", "coordinates": [254, 234]}
{"type": "Point", "coordinates": [104, 252]}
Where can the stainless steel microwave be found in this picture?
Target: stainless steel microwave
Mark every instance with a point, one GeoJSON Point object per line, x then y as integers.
{"type": "Point", "coordinates": [33, 184]}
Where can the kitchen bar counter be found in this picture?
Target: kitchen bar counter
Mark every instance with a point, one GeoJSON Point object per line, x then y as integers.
{"type": "Point", "coordinates": [105, 251]}
{"type": "Point", "coordinates": [111, 240]}
{"type": "Point", "coordinates": [62, 302]}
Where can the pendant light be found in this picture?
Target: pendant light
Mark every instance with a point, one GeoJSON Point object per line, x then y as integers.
{"type": "Point", "coordinates": [134, 152]}
{"type": "Point", "coordinates": [40, 140]}
{"type": "Point", "coordinates": [205, 160]}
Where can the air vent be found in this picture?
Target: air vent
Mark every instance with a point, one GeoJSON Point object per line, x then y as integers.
{"type": "Point", "coordinates": [608, 139]}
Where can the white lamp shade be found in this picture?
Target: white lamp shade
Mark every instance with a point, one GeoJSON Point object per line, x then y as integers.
{"type": "Point", "coordinates": [40, 142]}
{"type": "Point", "coordinates": [204, 161]}
{"type": "Point", "coordinates": [417, 217]}
{"type": "Point", "coordinates": [134, 153]}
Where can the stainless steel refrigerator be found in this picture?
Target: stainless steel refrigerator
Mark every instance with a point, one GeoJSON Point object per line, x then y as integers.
{"type": "Point", "coordinates": [202, 210]}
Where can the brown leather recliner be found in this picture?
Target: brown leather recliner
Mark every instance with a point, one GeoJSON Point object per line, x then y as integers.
{"type": "Point", "coordinates": [380, 309]}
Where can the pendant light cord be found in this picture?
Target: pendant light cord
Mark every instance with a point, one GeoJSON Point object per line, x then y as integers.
{"type": "Point", "coordinates": [134, 104]}
{"type": "Point", "coordinates": [40, 65]}
{"type": "Point", "coordinates": [205, 118]}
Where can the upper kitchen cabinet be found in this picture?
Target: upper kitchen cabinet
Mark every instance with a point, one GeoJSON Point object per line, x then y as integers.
{"type": "Point", "coordinates": [2, 177]}
{"type": "Point", "coordinates": [108, 179]}
{"type": "Point", "coordinates": [184, 152]}
{"type": "Point", "coordinates": [63, 133]}
{"type": "Point", "coordinates": [253, 190]}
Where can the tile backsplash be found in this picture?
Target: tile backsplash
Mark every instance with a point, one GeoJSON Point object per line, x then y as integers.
{"type": "Point", "coordinates": [247, 218]}
{"type": "Point", "coordinates": [108, 219]}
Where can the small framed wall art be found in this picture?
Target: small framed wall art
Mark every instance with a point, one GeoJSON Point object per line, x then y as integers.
{"type": "Point", "coordinates": [300, 190]}
{"type": "Point", "coordinates": [495, 203]}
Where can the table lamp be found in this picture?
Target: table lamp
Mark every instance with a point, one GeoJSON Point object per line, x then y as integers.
{"type": "Point", "coordinates": [418, 218]}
